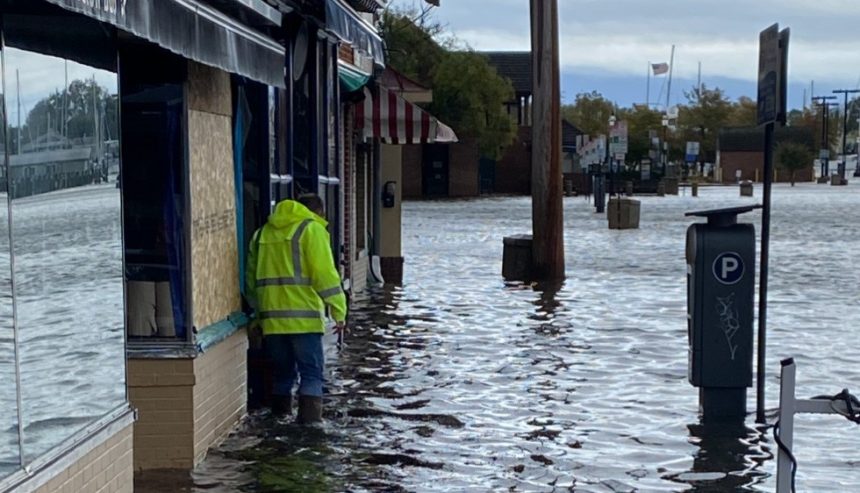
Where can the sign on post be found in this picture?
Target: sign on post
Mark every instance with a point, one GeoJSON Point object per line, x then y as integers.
{"type": "Point", "coordinates": [692, 151]}
{"type": "Point", "coordinates": [728, 268]}
{"type": "Point", "coordinates": [772, 67]}
{"type": "Point", "coordinates": [618, 138]}
{"type": "Point", "coordinates": [645, 168]}
{"type": "Point", "coordinates": [768, 75]}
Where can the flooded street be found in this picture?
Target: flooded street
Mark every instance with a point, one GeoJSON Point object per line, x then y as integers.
{"type": "Point", "coordinates": [458, 381]}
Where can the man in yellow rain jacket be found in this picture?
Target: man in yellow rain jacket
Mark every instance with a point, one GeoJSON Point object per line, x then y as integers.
{"type": "Point", "coordinates": [291, 279]}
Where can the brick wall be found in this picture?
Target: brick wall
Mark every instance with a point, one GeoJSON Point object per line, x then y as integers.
{"type": "Point", "coordinates": [185, 406]}
{"type": "Point", "coordinates": [359, 273]}
{"type": "Point", "coordinates": [412, 171]}
{"type": "Point", "coordinates": [514, 169]}
{"type": "Point", "coordinates": [750, 162]}
{"type": "Point", "coordinates": [463, 169]}
{"type": "Point", "coordinates": [162, 392]}
{"type": "Point", "coordinates": [106, 469]}
{"type": "Point", "coordinates": [220, 394]}
{"type": "Point", "coordinates": [349, 142]}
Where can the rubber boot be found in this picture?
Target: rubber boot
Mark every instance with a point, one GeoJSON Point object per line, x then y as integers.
{"type": "Point", "coordinates": [282, 405]}
{"type": "Point", "coordinates": [310, 410]}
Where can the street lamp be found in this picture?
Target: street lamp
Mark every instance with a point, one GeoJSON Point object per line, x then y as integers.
{"type": "Point", "coordinates": [609, 156]}
{"type": "Point", "coordinates": [844, 163]}
{"type": "Point", "coordinates": [824, 106]}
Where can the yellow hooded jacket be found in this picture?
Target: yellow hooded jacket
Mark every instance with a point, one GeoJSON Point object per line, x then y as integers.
{"type": "Point", "coordinates": [291, 275]}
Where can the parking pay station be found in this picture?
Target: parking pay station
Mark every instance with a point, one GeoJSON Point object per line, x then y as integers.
{"type": "Point", "coordinates": [720, 297]}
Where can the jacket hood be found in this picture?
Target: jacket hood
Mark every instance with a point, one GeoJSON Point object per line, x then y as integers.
{"type": "Point", "coordinates": [289, 212]}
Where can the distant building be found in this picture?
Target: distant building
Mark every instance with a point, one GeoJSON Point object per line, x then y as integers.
{"type": "Point", "coordinates": [740, 153]}
{"type": "Point", "coordinates": [459, 170]}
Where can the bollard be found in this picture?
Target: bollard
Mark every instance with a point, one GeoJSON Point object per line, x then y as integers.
{"type": "Point", "coordinates": [695, 188]}
{"type": "Point", "coordinates": [628, 188]}
{"type": "Point", "coordinates": [672, 186]}
{"type": "Point", "coordinates": [720, 290]}
{"type": "Point", "coordinates": [623, 213]}
{"type": "Point", "coordinates": [746, 189]}
{"type": "Point", "coordinates": [599, 194]}
{"type": "Point", "coordinates": [613, 214]}
{"type": "Point", "coordinates": [568, 188]}
{"type": "Point", "coordinates": [517, 258]}
{"type": "Point", "coordinates": [661, 188]}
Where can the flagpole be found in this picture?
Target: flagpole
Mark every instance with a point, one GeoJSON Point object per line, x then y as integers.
{"type": "Point", "coordinates": [671, 69]}
{"type": "Point", "coordinates": [648, 88]}
{"type": "Point", "coordinates": [699, 81]}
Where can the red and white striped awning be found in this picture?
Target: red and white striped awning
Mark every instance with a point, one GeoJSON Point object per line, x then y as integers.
{"type": "Point", "coordinates": [386, 116]}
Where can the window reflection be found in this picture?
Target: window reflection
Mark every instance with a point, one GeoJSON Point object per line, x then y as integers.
{"type": "Point", "coordinates": [66, 243]}
{"type": "Point", "coordinates": [9, 449]}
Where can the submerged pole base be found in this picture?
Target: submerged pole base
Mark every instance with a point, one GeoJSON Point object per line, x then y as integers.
{"type": "Point", "coordinates": [517, 258]}
{"type": "Point", "coordinates": [718, 404]}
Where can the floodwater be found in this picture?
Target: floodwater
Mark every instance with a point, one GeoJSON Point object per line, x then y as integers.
{"type": "Point", "coordinates": [457, 381]}
{"type": "Point", "coordinates": [67, 247]}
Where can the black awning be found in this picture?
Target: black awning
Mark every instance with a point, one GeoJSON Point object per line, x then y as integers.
{"type": "Point", "coordinates": [341, 20]}
{"type": "Point", "coordinates": [193, 30]}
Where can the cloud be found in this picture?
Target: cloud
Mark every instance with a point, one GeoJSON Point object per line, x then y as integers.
{"type": "Point", "coordinates": [622, 36]}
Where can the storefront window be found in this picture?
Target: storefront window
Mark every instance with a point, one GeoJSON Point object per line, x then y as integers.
{"type": "Point", "coordinates": [66, 234]}
{"type": "Point", "coordinates": [154, 191]}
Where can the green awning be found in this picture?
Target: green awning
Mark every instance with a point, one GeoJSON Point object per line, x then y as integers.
{"type": "Point", "coordinates": [351, 80]}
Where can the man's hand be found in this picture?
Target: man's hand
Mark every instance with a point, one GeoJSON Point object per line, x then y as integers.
{"type": "Point", "coordinates": [340, 328]}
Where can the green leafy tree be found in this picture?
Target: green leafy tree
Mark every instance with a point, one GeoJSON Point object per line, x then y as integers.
{"type": "Point", "coordinates": [71, 113]}
{"type": "Point", "coordinates": [590, 112]}
{"type": "Point", "coordinates": [641, 121]}
{"type": "Point", "coordinates": [707, 111]}
{"type": "Point", "coordinates": [793, 157]}
{"type": "Point", "coordinates": [744, 113]}
{"type": "Point", "coordinates": [413, 43]}
{"type": "Point", "coordinates": [468, 94]}
{"type": "Point", "coordinates": [811, 118]}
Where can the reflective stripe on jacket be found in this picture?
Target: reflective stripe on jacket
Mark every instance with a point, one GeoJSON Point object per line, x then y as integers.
{"type": "Point", "coordinates": [291, 274]}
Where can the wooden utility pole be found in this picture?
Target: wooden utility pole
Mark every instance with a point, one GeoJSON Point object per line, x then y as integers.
{"type": "Point", "coordinates": [547, 212]}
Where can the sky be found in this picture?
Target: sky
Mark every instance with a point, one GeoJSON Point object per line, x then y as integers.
{"type": "Point", "coordinates": [606, 45]}
{"type": "Point", "coordinates": [39, 76]}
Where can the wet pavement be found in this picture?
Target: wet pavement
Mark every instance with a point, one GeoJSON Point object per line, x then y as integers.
{"type": "Point", "coordinates": [457, 381]}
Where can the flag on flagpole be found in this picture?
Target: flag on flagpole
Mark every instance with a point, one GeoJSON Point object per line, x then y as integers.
{"type": "Point", "coordinates": [660, 68]}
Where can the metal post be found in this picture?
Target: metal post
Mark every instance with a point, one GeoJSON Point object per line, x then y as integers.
{"type": "Point", "coordinates": [789, 405]}
{"type": "Point", "coordinates": [665, 150]}
{"type": "Point", "coordinates": [844, 162]}
{"type": "Point", "coordinates": [825, 144]}
{"type": "Point", "coordinates": [786, 425]}
{"type": "Point", "coordinates": [765, 256]}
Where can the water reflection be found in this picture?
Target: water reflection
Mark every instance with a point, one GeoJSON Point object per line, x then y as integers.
{"type": "Point", "coordinates": [729, 457]}
{"type": "Point", "coordinates": [9, 445]}
{"type": "Point", "coordinates": [67, 243]}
